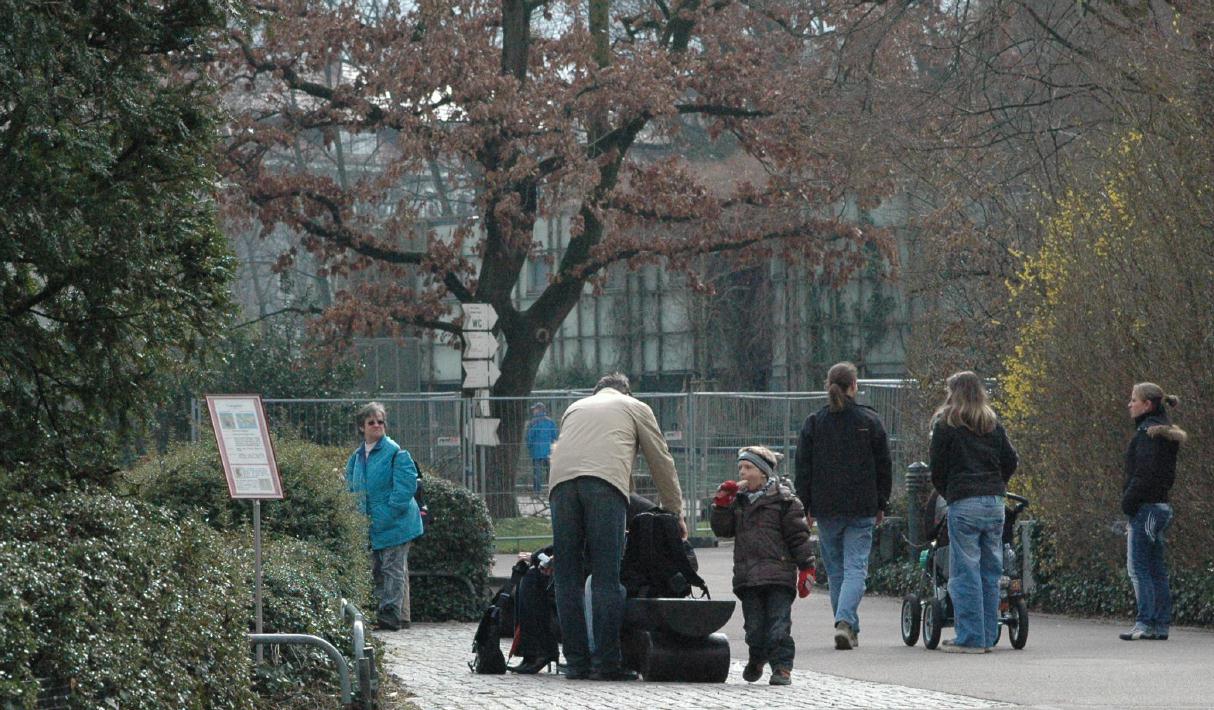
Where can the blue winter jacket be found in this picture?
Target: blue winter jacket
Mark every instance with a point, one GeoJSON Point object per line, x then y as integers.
{"type": "Point", "coordinates": [385, 482]}
{"type": "Point", "coordinates": [540, 435]}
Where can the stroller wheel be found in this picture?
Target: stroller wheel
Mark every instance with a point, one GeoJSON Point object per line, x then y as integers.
{"type": "Point", "coordinates": [1018, 624]}
{"type": "Point", "coordinates": [912, 610]}
{"type": "Point", "coordinates": [933, 624]}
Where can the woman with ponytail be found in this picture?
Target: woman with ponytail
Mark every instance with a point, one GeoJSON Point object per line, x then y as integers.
{"type": "Point", "coordinates": [971, 461]}
{"type": "Point", "coordinates": [1150, 470]}
{"type": "Point", "coordinates": [844, 474]}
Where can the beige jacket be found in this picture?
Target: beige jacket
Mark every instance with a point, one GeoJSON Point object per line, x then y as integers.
{"type": "Point", "coordinates": [600, 435]}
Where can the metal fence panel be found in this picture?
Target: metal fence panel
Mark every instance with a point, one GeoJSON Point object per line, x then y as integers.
{"type": "Point", "coordinates": [703, 429]}
{"type": "Point", "coordinates": [429, 426]}
{"type": "Point", "coordinates": [670, 410]}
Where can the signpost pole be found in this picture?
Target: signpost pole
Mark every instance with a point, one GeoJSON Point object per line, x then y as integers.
{"type": "Point", "coordinates": [248, 461]}
{"type": "Point", "coordinates": [480, 372]}
{"type": "Point", "coordinates": [257, 570]}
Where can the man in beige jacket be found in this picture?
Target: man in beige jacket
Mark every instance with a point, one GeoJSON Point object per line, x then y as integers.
{"type": "Point", "coordinates": [589, 483]}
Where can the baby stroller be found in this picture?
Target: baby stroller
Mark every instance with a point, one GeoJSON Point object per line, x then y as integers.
{"type": "Point", "coordinates": [933, 609]}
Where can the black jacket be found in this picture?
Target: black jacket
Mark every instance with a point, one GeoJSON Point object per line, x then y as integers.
{"type": "Point", "coordinates": [843, 463]}
{"type": "Point", "coordinates": [966, 464]}
{"type": "Point", "coordinates": [1150, 462]}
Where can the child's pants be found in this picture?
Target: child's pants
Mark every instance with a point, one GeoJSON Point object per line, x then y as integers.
{"type": "Point", "coordinates": [767, 618]}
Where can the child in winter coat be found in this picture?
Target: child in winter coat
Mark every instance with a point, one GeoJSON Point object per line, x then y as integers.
{"type": "Point", "coordinates": [771, 544]}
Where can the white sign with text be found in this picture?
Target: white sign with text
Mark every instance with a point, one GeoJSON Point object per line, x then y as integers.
{"type": "Point", "coordinates": [479, 316]}
{"type": "Point", "coordinates": [244, 445]}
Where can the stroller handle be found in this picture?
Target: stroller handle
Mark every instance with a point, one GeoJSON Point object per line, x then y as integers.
{"type": "Point", "coordinates": [1021, 502]}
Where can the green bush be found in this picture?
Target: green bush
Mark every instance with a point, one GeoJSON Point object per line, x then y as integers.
{"type": "Point", "coordinates": [896, 578]}
{"type": "Point", "coordinates": [459, 541]}
{"type": "Point", "coordinates": [301, 584]}
{"type": "Point", "coordinates": [315, 505]}
{"type": "Point", "coordinates": [115, 602]}
{"type": "Point", "coordinates": [1104, 588]}
{"type": "Point", "coordinates": [314, 551]}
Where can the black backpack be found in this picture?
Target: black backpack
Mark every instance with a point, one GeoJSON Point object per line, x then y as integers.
{"type": "Point", "coordinates": [658, 562]}
{"type": "Point", "coordinates": [489, 658]}
{"type": "Point", "coordinates": [418, 494]}
{"type": "Point", "coordinates": [486, 644]}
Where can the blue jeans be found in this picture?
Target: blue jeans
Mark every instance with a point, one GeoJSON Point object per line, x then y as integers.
{"type": "Point", "coordinates": [1147, 567]}
{"type": "Point", "coordinates": [767, 618]}
{"type": "Point", "coordinates": [975, 563]}
{"type": "Point", "coordinates": [845, 543]}
{"type": "Point", "coordinates": [539, 472]}
{"type": "Point", "coordinates": [588, 517]}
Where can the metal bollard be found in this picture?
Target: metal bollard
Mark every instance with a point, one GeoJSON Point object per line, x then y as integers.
{"type": "Point", "coordinates": [918, 483]}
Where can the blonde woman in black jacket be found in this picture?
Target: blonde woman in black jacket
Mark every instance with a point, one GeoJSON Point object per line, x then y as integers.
{"type": "Point", "coordinates": [1150, 470]}
{"type": "Point", "coordinates": [971, 462]}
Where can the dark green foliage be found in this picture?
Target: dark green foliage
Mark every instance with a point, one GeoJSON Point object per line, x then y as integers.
{"type": "Point", "coordinates": [111, 264]}
{"type": "Point", "coordinates": [120, 602]}
{"type": "Point", "coordinates": [271, 360]}
{"type": "Point", "coordinates": [458, 540]}
{"type": "Point", "coordinates": [1104, 589]}
{"type": "Point", "coordinates": [895, 578]}
{"type": "Point", "coordinates": [315, 507]}
{"type": "Point", "coordinates": [301, 586]}
{"type": "Point", "coordinates": [1099, 589]}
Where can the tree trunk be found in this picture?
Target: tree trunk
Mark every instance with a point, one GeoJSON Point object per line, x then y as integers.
{"type": "Point", "coordinates": [524, 352]}
{"type": "Point", "coordinates": [502, 461]}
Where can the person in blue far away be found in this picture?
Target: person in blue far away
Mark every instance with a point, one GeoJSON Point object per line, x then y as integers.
{"type": "Point", "coordinates": [541, 432]}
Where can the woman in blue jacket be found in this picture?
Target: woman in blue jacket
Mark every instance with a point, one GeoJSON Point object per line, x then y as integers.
{"type": "Point", "coordinates": [384, 478]}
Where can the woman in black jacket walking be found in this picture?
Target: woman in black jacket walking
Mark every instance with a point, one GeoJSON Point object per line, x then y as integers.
{"type": "Point", "coordinates": [971, 461]}
{"type": "Point", "coordinates": [1150, 470]}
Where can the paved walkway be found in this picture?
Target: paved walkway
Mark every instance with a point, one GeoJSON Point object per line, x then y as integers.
{"type": "Point", "coordinates": [431, 661]}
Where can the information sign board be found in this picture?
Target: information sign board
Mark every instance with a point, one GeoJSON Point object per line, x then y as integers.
{"type": "Point", "coordinates": [244, 445]}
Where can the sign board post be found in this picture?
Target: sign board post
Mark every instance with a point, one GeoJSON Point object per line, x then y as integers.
{"type": "Point", "coordinates": [248, 460]}
{"type": "Point", "coordinates": [480, 370]}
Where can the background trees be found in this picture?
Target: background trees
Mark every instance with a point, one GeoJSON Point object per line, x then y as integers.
{"type": "Point", "coordinates": [1069, 243]}
{"type": "Point", "coordinates": [111, 266]}
{"type": "Point", "coordinates": [475, 118]}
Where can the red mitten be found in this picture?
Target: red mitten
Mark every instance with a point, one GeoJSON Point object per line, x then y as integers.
{"type": "Point", "coordinates": [805, 582]}
{"type": "Point", "coordinates": [725, 494]}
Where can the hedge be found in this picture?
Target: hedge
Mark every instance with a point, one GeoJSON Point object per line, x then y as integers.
{"type": "Point", "coordinates": [316, 508]}
{"type": "Point", "coordinates": [315, 505]}
{"type": "Point", "coordinates": [1102, 588]}
{"type": "Point", "coordinates": [301, 584]}
{"type": "Point", "coordinates": [113, 601]}
{"type": "Point", "coordinates": [459, 541]}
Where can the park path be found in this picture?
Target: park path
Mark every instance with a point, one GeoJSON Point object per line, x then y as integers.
{"type": "Point", "coordinates": [1068, 663]}
{"type": "Point", "coordinates": [431, 661]}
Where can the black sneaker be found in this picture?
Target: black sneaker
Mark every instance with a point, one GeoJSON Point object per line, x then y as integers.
{"type": "Point", "coordinates": [753, 671]}
{"type": "Point", "coordinates": [577, 674]}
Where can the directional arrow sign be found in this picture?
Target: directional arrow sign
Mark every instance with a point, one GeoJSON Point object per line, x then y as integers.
{"type": "Point", "coordinates": [480, 373]}
{"type": "Point", "coordinates": [479, 345]}
{"type": "Point", "coordinates": [485, 431]}
{"type": "Point", "coordinates": [479, 316]}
